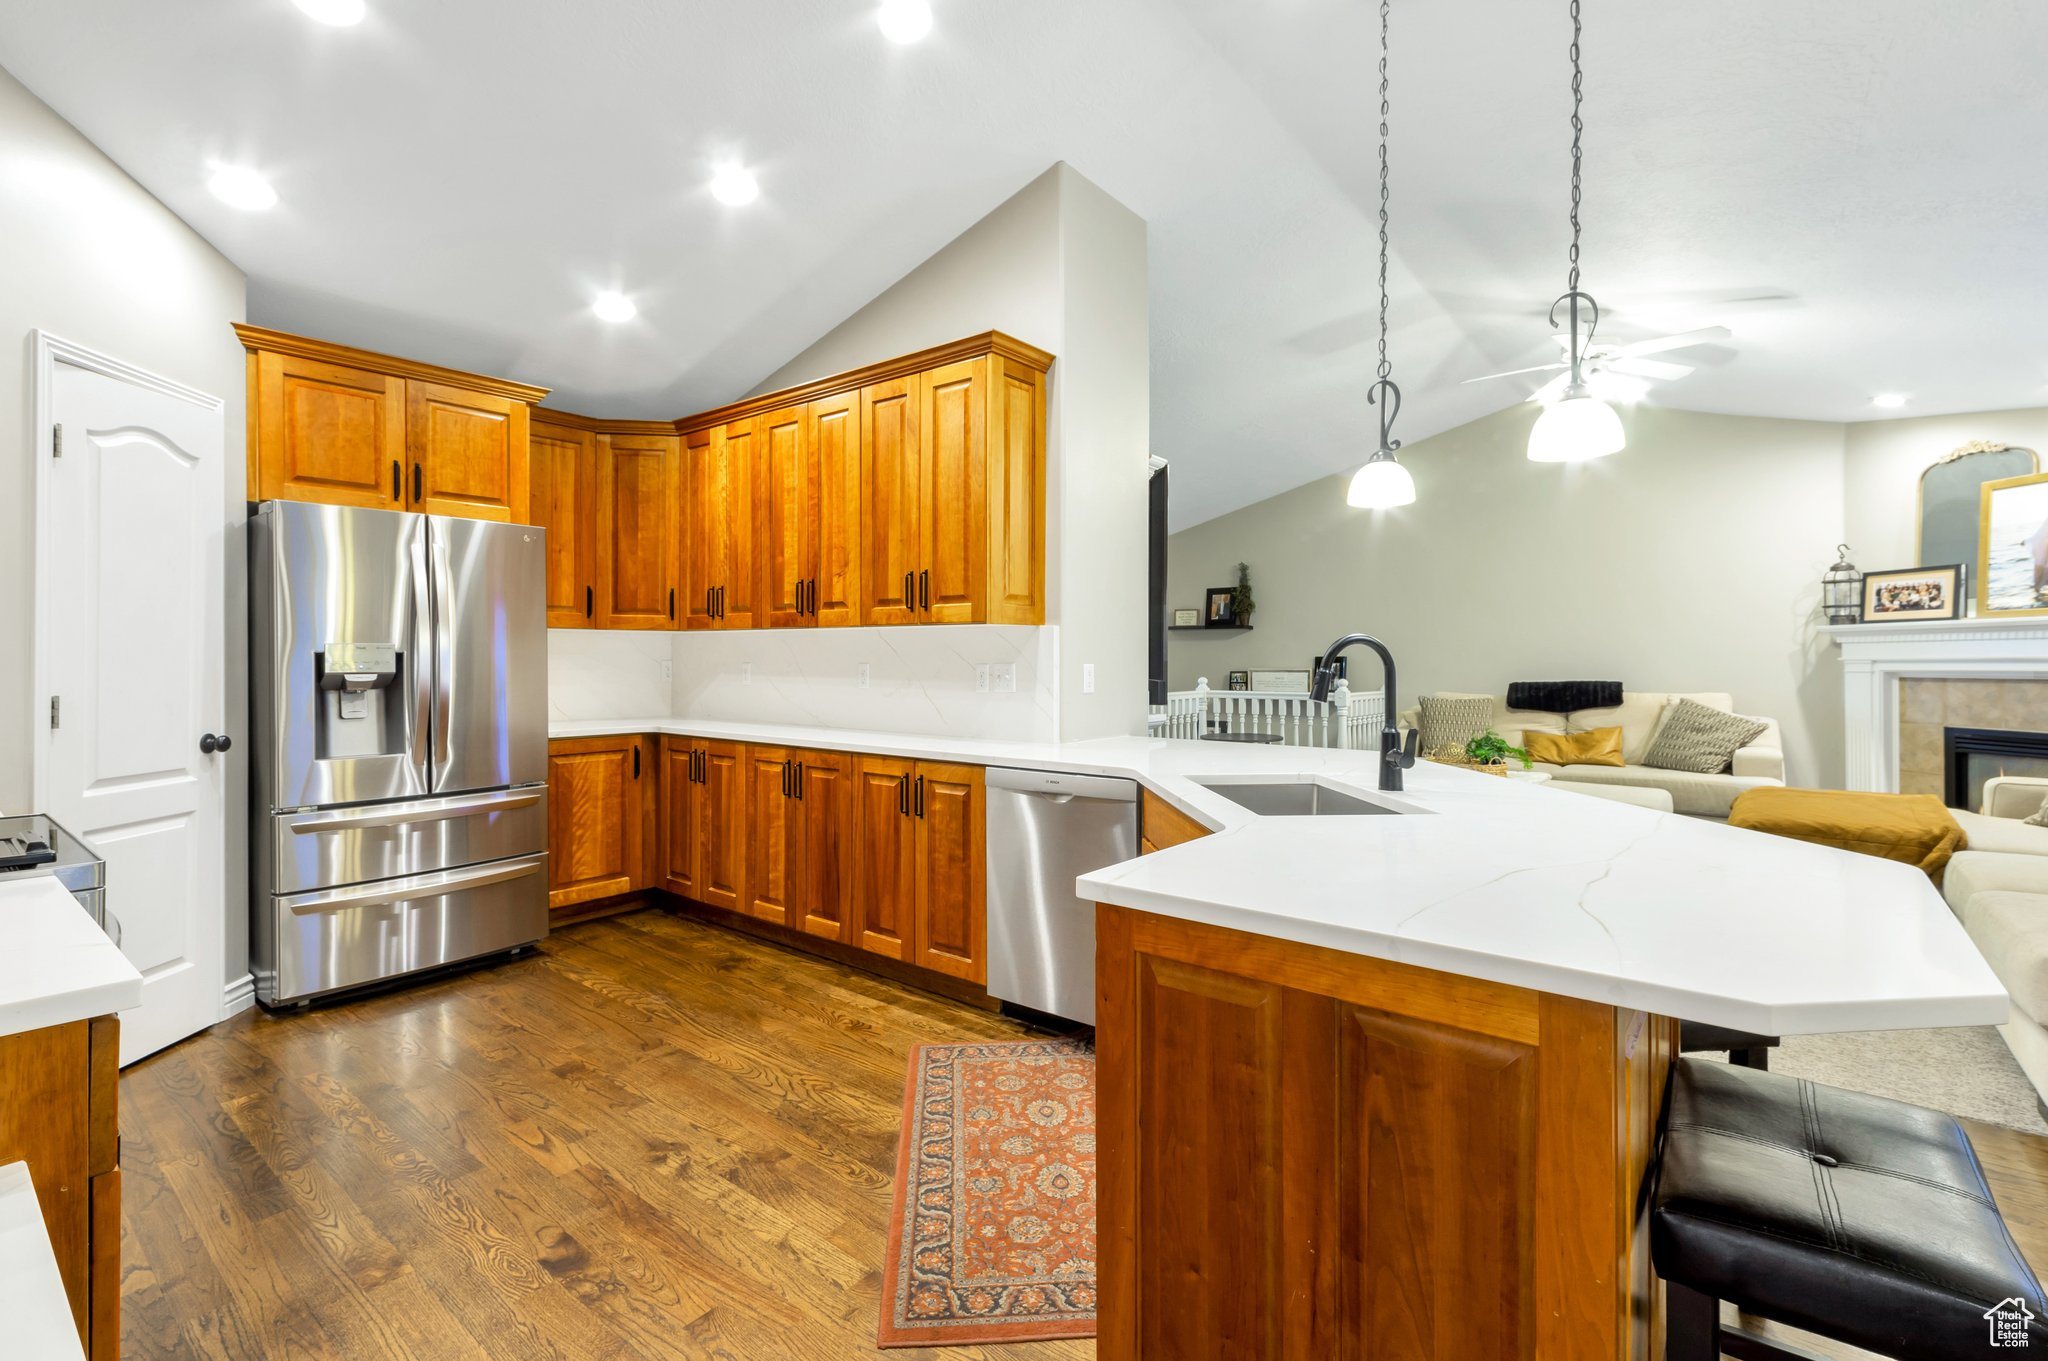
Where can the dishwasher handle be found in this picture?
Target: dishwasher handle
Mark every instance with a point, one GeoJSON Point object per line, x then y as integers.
{"type": "Point", "coordinates": [1062, 784]}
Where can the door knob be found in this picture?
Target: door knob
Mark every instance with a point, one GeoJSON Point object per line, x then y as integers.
{"type": "Point", "coordinates": [211, 744]}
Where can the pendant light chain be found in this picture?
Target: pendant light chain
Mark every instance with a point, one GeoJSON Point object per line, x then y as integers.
{"type": "Point", "coordinates": [1578, 129]}
{"type": "Point", "coordinates": [1386, 369]}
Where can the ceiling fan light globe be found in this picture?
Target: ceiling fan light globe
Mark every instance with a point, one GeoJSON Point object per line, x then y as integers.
{"type": "Point", "coordinates": [1574, 429]}
{"type": "Point", "coordinates": [1381, 484]}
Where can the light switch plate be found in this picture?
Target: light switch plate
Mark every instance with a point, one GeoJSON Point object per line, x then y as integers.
{"type": "Point", "coordinates": [746, 673]}
{"type": "Point", "coordinates": [864, 676]}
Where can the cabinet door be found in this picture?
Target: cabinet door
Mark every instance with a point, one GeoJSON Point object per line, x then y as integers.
{"type": "Point", "coordinates": [1016, 493]}
{"type": "Point", "coordinates": [892, 498]}
{"type": "Point", "coordinates": [952, 928]}
{"type": "Point", "coordinates": [596, 806]}
{"type": "Point", "coordinates": [327, 433]}
{"type": "Point", "coordinates": [832, 434]}
{"type": "Point", "coordinates": [787, 516]}
{"type": "Point", "coordinates": [823, 903]}
{"type": "Point", "coordinates": [773, 831]}
{"type": "Point", "coordinates": [468, 452]}
{"type": "Point", "coordinates": [721, 826]}
{"type": "Point", "coordinates": [952, 586]}
{"type": "Point", "coordinates": [677, 866]}
{"type": "Point", "coordinates": [885, 858]}
{"type": "Point", "coordinates": [563, 474]}
{"type": "Point", "coordinates": [737, 449]}
{"type": "Point", "coordinates": [701, 542]}
{"type": "Point", "coordinates": [637, 537]}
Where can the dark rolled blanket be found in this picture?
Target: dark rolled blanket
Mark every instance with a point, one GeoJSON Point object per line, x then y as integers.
{"type": "Point", "coordinates": [1562, 697]}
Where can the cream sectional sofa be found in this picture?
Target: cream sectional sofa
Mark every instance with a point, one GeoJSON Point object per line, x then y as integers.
{"type": "Point", "coordinates": [1638, 715]}
{"type": "Point", "coordinates": [1998, 889]}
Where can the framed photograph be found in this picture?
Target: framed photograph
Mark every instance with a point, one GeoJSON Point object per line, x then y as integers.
{"type": "Point", "coordinates": [2012, 546]}
{"type": "Point", "coordinates": [1187, 619]}
{"type": "Point", "coordinates": [1280, 682]}
{"type": "Point", "coordinates": [1240, 680]}
{"type": "Point", "coordinates": [1913, 593]}
{"type": "Point", "coordinates": [1221, 612]}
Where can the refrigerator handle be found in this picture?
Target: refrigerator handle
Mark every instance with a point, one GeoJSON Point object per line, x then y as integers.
{"type": "Point", "coordinates": [444, 648]}
{"type": "Point", "coordinates": [423, 661]}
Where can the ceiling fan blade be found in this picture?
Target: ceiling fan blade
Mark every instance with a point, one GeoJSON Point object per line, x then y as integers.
{"type": "Point", "coordinates": [1646, 368]}
{"type": "Point", "coordinates": [1510, 373]}
{"type": "Point", "coordinates": [1552, 390]}
{"type": "Point", "coordinates": [1677, 342]}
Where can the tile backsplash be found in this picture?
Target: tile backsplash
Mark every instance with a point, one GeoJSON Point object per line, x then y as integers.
{"type": "Point", "coordinates": [595, 673]}
{"type": "Point", "coordinates": [920, 680]}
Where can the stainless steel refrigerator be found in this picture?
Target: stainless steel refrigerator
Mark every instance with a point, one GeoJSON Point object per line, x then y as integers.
{"type": "Point", "coordinates": [399, 700]}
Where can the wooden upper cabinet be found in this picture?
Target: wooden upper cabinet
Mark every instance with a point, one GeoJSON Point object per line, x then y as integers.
{"type": "Point", "coordinates": [326, 432]}
{"type": "Point", "coordinates": [701, 540]}
{"type": "Point", "coordinates": [1015, 482]}
{"type": "Point", "coordinates": [468, 452]}
{"type": "Point", "coordinates": [952, 584]}
{"type": "Point", "coordinates": [721, 577]}
{"type": "Point", "coordinates": [952, 923]}
{"type": "Point", "coordinates": [565, 483]}
{"type": "Point", "coordinates": [786, 501]}
{"type": "Point", "coordinates": [349, 427]}
{"type": "Point", "coordinates": [600, 804]}
{"type": "Point", "coordinates": [885, 858]}
{"type": "Point", "coordinates": [832, 433]}
{"type": "Point", "coordinates": [892, 503]}
{"type": "Point", "coordinates": [638, 537]}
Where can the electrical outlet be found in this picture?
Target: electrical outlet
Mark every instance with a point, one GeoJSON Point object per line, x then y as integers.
{"type": "Point", "coordinates": [981, 680]}
{"type": "Point", "coordinates": [1087, 678]}
{"type": "Point", "coordinates": [864, 676]}
{"type": "Point", "coordinates": [746, 673]}
{"type": "Point", "coordinates": [668, 674]}
{"type": "Point", "coordinates": [1005, 678]}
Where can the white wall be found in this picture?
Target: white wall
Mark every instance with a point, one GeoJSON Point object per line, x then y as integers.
{"type": "Point", "coordinates": [1690, 561]}
{"type": "Point", "coordinates": [90, 256]}
{"type": "Point", "coordinates": [1885, 460]}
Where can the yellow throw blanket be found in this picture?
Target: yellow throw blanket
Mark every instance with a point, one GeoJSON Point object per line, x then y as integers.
{"type": "Point", "coordinates": [1914, 828]}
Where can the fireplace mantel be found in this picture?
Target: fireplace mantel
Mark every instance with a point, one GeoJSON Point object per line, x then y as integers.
{"type": "Point", "coordinates": [1876, 657]}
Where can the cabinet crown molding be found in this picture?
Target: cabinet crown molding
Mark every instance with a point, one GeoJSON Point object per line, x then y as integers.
{"type": "Point", "coordinates": [972, 347]}
{"type": "Point", "coordinates": [543, 415]}
{"type": "Point", "coordinates": [255, 338]}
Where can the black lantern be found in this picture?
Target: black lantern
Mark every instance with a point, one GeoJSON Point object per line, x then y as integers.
{"type": "Point", "coordinates": [1841, 590]}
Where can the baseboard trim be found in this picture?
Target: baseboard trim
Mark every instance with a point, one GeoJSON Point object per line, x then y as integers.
{"type": "Point", "coordinates": [238, 996]}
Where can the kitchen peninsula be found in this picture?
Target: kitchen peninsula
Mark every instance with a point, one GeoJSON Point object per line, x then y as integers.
{"type": "Point", "coordinates": [1453, 1019]}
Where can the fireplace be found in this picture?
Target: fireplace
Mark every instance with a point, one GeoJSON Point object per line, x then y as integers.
{"type": "Point", "coordinates": [1970, 756]}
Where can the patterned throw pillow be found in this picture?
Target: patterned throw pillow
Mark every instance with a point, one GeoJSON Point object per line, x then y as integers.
{"type": "Point", "coordinates": [1452, 721]}
{"type": "Point", "coordinates": [2037, 818]}
{"type": "Point", "coordinates": [1700, 740]}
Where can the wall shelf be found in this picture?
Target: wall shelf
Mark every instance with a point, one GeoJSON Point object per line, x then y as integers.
{"type": "Point", "coordinates": [1209, 628]}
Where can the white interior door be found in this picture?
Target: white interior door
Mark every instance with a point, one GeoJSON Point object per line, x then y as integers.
{"type": "Point", "coordinates": [131, 557]}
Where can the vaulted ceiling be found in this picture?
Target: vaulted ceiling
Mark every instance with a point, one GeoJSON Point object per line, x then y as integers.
{"type": "Point", "coordinates": [1853, 187]}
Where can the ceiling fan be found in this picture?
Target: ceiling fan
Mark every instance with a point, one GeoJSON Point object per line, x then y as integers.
{"type": "Point", "coordinates": [1625, 368]}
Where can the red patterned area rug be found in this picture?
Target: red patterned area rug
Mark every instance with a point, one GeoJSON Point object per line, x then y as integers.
{"type": "Point", "coordinates": [993, 1235]}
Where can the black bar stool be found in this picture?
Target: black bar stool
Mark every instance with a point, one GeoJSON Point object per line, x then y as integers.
{"type": "Point", "coordinates": [1864, 1220]}
{"type": "Point", "coordinates": [1745, 1048]}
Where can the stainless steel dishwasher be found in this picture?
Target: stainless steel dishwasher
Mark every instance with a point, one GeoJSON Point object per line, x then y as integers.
{"type": "Point", "coordinates": [1045, 830]}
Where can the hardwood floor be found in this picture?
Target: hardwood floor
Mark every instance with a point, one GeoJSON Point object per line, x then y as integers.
{"type": "Point", "coordinates": [653, 1138]}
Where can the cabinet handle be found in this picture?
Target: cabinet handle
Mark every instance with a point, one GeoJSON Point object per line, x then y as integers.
{"type": "Point", "coordinates": [589, 601]}
{"type": "Point", "coordinates": [415, 484]}
{"type": "Point", "coordinates": [924, 589]}
{"type": "Point", "coordinates": [799, 781]}
{"type": "Point", "coordinates": [703, 770]}
{"type": "Point", "coordinates": [707, 604]}
{"type": "Point", "coordinates": [903, 795]}
{"type": "Point", "coordinates": [721, 602]}
{"type": "Point", "coordinates": [920, 796]}
{"type": "Point", "coordinates": [397, 482]}
{"type": "Point", "coordinates": [785, 779]}
{"type": "Point", "coordinates": [910, 590]}
{"type": "Point", "coordinates": [671, 604]}
{"type": "Point", "coordinates": [636, 760]}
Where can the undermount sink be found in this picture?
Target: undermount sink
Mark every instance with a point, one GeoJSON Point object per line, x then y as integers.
{"type": "Point", "coordinates": [1297, 800]}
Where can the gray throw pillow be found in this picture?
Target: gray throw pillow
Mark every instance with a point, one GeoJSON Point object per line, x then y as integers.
{"type": "Point", "coordinates": [1452, 721]}
{"type": "Point", "coordinates": [1700, 740]}
{"type": "Point", "coordinates": [2037, 818]}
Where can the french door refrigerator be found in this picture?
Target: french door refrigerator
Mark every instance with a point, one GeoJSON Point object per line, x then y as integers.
{"type": "Point", "coordinates": [399, 700]}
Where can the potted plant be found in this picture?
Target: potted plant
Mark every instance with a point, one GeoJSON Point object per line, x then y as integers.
{"type": "Point", "coordinates": [1490, 752]}
{"type": "Point", "coordinates": [1241, 603]}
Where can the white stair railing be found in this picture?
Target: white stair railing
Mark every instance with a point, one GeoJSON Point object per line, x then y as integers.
{"type": "Point", "coordinates": [1344, 720]}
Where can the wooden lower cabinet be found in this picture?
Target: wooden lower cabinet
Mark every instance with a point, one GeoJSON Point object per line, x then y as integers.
{"type": "Point", "coordinates": [601, 818]}
{"type": "Point", "coordinates": [821, 902]}
{"type": "Point", "coordinates": [676, 862]}
{"type": "Point", "coordinates": [1380, 1160]}
{"type": "Point", "coordinates": [952, 883]}
{"type": "Point", "coordinates": [60, 1117]}
{"type": "Point", "coordinates": [885, 858]}
{"type": "Point", "coordinates": [719, 826]}
{"type": "Point", "coordinates": [774, 833]}
{"type": "Point", "coordinates": [1160, 824]}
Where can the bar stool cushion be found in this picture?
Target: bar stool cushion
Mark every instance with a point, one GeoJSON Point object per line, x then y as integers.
{"type": "Point", "coordinates": [1861, 1219]}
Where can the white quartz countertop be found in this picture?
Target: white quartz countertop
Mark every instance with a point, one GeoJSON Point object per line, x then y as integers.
{"type": "Point", "coordinates": [56, 965]}
{"type": "Point", "coordinates": [1509, 881]}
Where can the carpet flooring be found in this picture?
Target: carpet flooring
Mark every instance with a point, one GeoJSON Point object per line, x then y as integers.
{"type": "Point", "coordinates": [1967, 1072]}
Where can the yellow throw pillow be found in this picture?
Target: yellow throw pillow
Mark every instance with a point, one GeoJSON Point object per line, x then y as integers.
{"type": "Point", "coordinates": [1599, 747]}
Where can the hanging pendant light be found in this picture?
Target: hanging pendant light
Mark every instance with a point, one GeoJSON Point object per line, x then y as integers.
{"type": "Point", "coordinates": [1577, 426]}
{"type": "Point", "coordinates": [1383, 483]}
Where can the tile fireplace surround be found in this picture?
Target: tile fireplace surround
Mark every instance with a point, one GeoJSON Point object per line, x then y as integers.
{"type": "Point", "coordinates": [1903, 683]}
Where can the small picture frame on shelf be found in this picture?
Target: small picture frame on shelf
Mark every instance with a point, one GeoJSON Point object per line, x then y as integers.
{"type": "Point", "coordinates": [1913, 593]}
{"type": "Point", "coordinates": [1240, 680]}
{"type": "Point", "coordinates": [1222, 607]}
{"type": "Point", "coordinates": [1187, 619]}
{"type": "Point", "coordinates": [1280, 682]}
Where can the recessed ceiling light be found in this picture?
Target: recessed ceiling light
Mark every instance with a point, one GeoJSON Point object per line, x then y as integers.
{"type": "Point", "coordinates": [1889, 399]}
{"type": "Point", "coordinates": [240, 187]}
{"type": "Point", "coordinates": [614, 307]}
{"type": "Point", "coordinates": [904, 21]}
{"type": "Point", "coordinates": [732, 184]}
{"type": "Point", "coordinates": [339, 13]}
